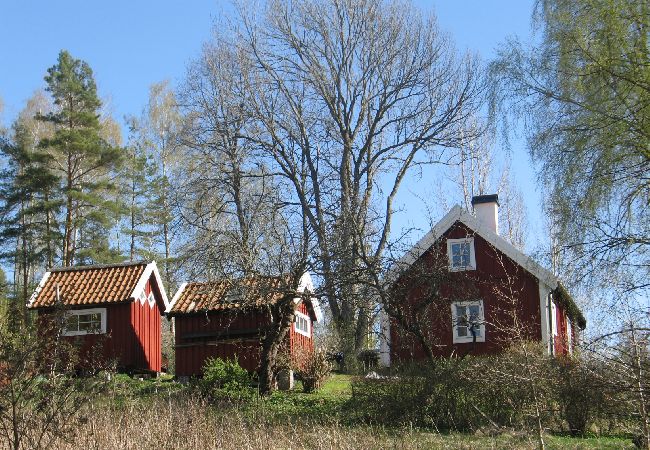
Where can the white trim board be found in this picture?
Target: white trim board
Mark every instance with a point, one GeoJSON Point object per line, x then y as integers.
{"type": "Point", "coordinates": [150, 269]}
{"type": "Point", "coordinates": [177, 295]}
{"type": "Point", "coordinates": [38, 289]}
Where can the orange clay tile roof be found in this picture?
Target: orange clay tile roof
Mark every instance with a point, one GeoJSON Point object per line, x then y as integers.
{"type": "Point", "coordinates": [228, 294]}
{"type": "Point", "coordinates": [89, 285]}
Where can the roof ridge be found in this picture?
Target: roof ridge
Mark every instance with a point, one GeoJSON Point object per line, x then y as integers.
{"type": "Point", "coordinates": [97, 266]}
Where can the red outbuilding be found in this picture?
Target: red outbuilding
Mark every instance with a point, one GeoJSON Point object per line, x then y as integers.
{"type": "Point", "coordinates": [226, 319]}
{"type": "Point", "coordinates": [491, 294]}
{"type": "Point", "coordinates": [117, 307]}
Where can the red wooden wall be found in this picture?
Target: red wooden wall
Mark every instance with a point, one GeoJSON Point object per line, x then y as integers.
{"type": "Point", "coordinates": [494, 271]}
{"type": "Point", "coordinates": [196, 339]}
{"type": "Point", "coordinates": [133, 333]}
{"type": "Point", "coordinates": [145, 320]}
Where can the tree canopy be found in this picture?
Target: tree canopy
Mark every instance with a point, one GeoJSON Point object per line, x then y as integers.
{"type": "Point", "coordinates": [584, 95]}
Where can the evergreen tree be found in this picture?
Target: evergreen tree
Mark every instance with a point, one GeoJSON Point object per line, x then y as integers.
{"type": "Point", "coordinates": [82, 160]}
{"type": "Point", "coordinates": [27, 209]}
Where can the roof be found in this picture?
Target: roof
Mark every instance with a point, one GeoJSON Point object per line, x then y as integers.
{"type": "Point", "coordinates": [458, 214]}
{"type": "Point", "coordinates": [95, 285]}
{"type": "Point", "coordinates": [229, 294]}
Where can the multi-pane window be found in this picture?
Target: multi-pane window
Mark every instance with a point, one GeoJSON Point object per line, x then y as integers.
{"type": "Point", "coordinates": [461, 254]}
{"type": "Point", "coordinates": [88, 321]}
{"type": "Point", "coordinates": [468, 321]}
{"type": "Point", "coordinates": [302, 323]}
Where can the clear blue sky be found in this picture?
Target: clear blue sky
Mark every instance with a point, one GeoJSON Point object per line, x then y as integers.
{"type": "Point", "coordinates": [132, 44]}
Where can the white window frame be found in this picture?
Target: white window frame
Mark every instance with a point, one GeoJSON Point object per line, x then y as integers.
{"type": "Point", "coordinates": [454, 322]}
{"type": "Point", "coordinates": [81, 312]}
{"type": "Point", "coordinates": [472, 255]}
{"type": "Point", "coordinates": [307, 320]}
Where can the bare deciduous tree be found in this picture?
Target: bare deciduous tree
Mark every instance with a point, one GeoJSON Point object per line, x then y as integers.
{"type": "Point", "coordinates": [350, 97]}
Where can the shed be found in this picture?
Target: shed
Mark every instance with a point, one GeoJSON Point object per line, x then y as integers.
{"type": "Point", "coordinates": [117, 305]}
{"type": "Point", "coordinates": [211, 319]}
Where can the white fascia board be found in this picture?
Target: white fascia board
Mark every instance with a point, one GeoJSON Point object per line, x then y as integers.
{"type": "Point", "coordinates": [150, 269]}
{"type": "Point", "coordinates": [306, 284]}
{"type": "Point", "coordinates": [459, 214]}
{"type": "Point", "coordinates": [38, 289]}
{"type": "Point", "coordinates": [177, 295]}
{"type": "Point", "coordinates": [423, 244]}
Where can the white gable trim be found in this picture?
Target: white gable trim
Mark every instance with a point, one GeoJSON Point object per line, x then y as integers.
{"type": "Point", "coordinates": [177, 295]}
{"type": "Point", "coordinates": [38, 289]}
{"type": "Point", "coordinates": [150, 269]}
{"type": "Point", "coordinates": [458, 214]}
{"type": "Point", "coordinates": [306, 283]}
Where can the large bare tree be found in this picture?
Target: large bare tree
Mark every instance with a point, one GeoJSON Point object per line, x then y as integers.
{"type": "Point", "coordinates": [348, 98]}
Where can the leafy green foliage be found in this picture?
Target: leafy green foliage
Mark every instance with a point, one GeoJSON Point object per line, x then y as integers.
{"type": "Point", "coordinates": [225, 378]}
{"type": "Point", "coordinates": [584, 94]}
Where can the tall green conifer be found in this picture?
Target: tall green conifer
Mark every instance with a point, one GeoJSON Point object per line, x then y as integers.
{"type": "Point", "coordinates": [83, 161]}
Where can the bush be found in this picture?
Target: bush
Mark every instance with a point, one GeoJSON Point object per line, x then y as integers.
{"type": "Point", "coordinates": [225, 377]}
{"type": "Point", "coordinates": [313, 369]}
{"type": "Point", "coordinates": [455, 394]}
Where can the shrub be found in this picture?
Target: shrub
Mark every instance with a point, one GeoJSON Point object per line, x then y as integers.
{"type": "Point", "coordinates": [225, 377]}
{"type": "Point", "coordinates": [453, 394]}
{"type": "Point", "coordinates": [313, 369]}
{"type": "Point", "coordinates": [439, 395]}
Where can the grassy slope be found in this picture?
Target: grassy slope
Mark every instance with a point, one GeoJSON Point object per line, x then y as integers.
{"type": "Point", "coordinates": [315, 420]}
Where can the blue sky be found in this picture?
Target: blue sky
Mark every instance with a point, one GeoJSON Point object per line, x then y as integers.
{"type": "Point", "coordinates": [132, 44]}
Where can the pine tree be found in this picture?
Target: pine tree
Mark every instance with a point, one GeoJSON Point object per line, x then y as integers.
{"type": "Point", "coordinates": [83, 161]}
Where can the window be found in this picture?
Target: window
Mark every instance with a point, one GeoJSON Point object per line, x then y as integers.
{"type": "Point", "coordinates": [461, 254]}
{"type": "Point", "coordinates": [468, 321]}
{"type": "Point", "coordinates": [80, 322]}
{"type": "Point", "coordinates": [302, 323]}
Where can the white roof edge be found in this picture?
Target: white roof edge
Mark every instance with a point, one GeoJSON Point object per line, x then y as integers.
{"type": "Point", "coordinates": [459, 214]}
{"type": "Point", "coordinates": [150, 269]}
{"type": "Point", "coordinates": [306, 283]}
{"type": "Point", "coordinates": [38, 289]}
{"type": "Point", "coordinates": [177, 295]}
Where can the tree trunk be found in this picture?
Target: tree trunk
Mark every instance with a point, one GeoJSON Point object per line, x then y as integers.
{"type": "Point", "coordinates": [272, 342]}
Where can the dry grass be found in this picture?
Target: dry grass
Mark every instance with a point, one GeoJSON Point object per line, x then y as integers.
{"type": "Point", "coordinates": [185, 423]}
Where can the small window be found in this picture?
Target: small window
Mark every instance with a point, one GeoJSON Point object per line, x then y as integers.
{"type": "Point", "coordinates": [80, 322]}
{"type": "Point", "coordinates": [302, 324]}
{"type": "Point", "coordinates": [468, 321]}
{"type": "Point", "coordinates": [461, 254]}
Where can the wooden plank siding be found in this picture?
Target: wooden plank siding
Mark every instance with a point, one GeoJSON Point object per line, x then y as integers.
{"type": "Point", "coordinates": [133, 333]}
{"type": "Point", "coordinates": [495, 273]}
{"type": "Point", "coordinates": [227, 334]}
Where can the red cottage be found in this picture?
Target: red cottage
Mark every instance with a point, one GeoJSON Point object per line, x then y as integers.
{"type": "Point", "coordinates": [119, 305]}
{"type": "Point", "coordinates": [500, 284]}
{"type": "Point", "coordinates": [211, 320]}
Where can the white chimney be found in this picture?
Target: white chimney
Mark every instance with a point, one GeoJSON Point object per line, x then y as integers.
{"type": "Point", "coordinates": [486, 209]}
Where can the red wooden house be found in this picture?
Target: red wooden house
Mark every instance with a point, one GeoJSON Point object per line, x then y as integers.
{"type": "Point", "coordinates": [500, 283]}
{"type": "Point", "coordinates": [116, 306]}
{"type": "Point", "coordinates": [213, 319]}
